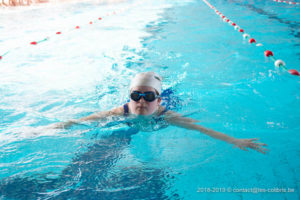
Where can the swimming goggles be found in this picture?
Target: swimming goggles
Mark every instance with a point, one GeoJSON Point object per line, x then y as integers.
{"type": "Point", "coordinates": [148, 96]}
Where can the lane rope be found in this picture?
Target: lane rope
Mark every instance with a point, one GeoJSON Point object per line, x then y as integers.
{"type": "Point", "coordinates": [287, 2]}
{"type": "Point", "coordinates": [33, 43]}
{"type": "Point", "coordinates": [277, 62]}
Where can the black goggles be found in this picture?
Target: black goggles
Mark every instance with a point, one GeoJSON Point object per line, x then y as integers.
{"type": "Point", "coordinates": [148, 96]}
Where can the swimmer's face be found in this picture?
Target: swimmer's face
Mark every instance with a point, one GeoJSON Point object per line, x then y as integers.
{"type": "Point", "coordinates": [142, 107]}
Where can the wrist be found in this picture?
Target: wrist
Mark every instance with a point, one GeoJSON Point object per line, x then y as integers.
{"type": "Point", "coordinates": [233, 141]}
{"type": "Point", "coordinates": [73, 121]}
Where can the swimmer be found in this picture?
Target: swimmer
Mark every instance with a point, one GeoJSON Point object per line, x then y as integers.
{"type": "Point", "coordinates": [144, 105]}
{"type": "Point", "coordinates": [13, 3]}
{"type": "Point", "coordinates": [3, 3]}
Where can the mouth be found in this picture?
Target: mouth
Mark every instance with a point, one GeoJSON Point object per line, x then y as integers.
{"type": "Point", "coordinates": [141, 107]}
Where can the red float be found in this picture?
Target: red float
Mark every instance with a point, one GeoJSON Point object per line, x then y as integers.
{"type": "Point", "coordinates": [294, 72]}
{"type": "Point", "coordinates": [99, 18]}
{"type": "Point", "coordinates": [91, 22]}
{"type": "Point", "coordinates": [58, 33]}
{"type": "Point", "coordinates": [33, 43]}
{"type": "Point", "coordinates": [268, 53]}
{"type": "Point", "coordinates": [77, 27]}
{"type": "Point", "coordinates": [0, 57]}
{"type": "Point", "coordinates": [252, 40]}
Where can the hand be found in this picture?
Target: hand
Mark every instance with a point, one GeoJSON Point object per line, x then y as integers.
{"type": "Point", "coordinates": [59, 125]}
{"type": "Point", "coordinates": [250, 143]}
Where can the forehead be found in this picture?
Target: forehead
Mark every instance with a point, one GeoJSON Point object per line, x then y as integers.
{"type": "Point", "coordinates": [143, 88]}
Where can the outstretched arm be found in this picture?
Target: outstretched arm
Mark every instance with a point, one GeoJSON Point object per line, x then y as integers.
{"type": "Point", "coordinates": [93, 117]}
{"type": "Point", "coordinates": [189, 123]}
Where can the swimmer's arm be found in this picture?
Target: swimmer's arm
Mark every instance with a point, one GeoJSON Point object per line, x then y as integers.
{"type": "Point", "coordinates": [93, 117]}
{"type": "Point", "coordinates": [189, 123]}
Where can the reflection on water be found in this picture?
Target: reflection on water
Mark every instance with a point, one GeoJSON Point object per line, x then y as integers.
{"type": "Point", "coordinates": [94, 175]}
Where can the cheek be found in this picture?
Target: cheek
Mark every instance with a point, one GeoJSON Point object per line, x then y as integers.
{"type": "Point", "coordinates": [153, 106]}
{"type": "Point", "coordinates": [133, 105]}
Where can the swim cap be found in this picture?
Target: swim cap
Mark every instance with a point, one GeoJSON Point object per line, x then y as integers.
{"type": "Point", "coordinates": [150, 79]}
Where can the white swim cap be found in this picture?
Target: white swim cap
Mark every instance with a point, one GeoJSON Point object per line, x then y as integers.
{"type": "Point", "coordinates": [150, 79]}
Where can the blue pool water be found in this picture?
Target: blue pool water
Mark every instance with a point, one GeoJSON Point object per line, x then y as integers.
{"type": "Point", "coordinates": [216, 76]}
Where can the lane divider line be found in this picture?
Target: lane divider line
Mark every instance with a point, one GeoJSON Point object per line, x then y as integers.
{"type": "Point", "coordinates": [287, 2]}
{"type": "Point", "coordinates": [121, 10]}
{"type": "Point", "coordinates": [277, 62]}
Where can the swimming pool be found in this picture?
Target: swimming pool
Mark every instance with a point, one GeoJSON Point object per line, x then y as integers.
{"type": "Point", "coordinates": [219, 78]}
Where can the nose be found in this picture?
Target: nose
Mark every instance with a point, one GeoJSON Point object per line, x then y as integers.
{"type": "Point", "coordinates": [142, 100]}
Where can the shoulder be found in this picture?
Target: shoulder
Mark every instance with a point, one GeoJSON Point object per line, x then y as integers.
{"type": "Point", "coordinates": [162, 110]}
{"type": "Point", "coordinates": [173, 117]}
{"type": "Point", "coordinates": [172, 114]}
{"type": "Point", "coordinates": [117, 111]}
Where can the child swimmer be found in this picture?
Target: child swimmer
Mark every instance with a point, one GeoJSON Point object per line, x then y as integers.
{"type": "Point", "coordinates": [145, 90]}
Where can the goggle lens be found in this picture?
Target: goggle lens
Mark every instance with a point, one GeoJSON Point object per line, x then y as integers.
{"type": "Point", "coordinates": [148, 96]}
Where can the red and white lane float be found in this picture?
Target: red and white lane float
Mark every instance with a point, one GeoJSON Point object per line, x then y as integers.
{"type": "Point", "coordinates": [61, 32]}
{"type": "Point", "coordinates": [287, 2]}
{"type": "Point", "coordinates": [246, 36]}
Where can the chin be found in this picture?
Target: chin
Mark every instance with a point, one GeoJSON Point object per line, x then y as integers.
{"type": "Point", "coordinates": [142, 113]}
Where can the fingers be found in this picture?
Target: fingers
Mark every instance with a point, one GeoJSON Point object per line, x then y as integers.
{"type": "Point", "coordinates": [248, 143]}
{"type": "Point", "coordinates": [253, 139]}
{"type": "Point", "coordinates": [260, 149]}
{"type": "Point", "coordinates": [60, 125]}
{"type": "Point", "coordinates": [254, 146]}
{"type": "Point", "coordinates": [256, 139]}
{"type": "Point", "coordinates": [263, 150]}
{"type": "Point", "coordinates": [261, 144]}
{"type": "Point", "coordinates": [241, 147]}
{"type": "Point", "coordinates": [258, 145]}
